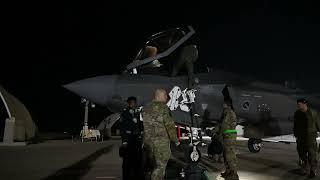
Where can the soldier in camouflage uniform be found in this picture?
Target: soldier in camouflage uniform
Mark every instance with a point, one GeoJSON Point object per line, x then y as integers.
{"type": "Point", "coordinates": [229, 134]}
{"type": "Point", "coordinates": [159, 130]}
{"type": "Point", "coordinates": [306, 126]}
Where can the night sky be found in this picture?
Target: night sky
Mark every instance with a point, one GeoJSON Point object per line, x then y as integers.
{"type": "Point", "coordinates": [48, 45]}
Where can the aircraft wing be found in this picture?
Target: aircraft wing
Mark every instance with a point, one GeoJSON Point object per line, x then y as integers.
{"type": "Point", "coordinates": [278, 139]}
{"type": "Point", "coordinates": [285, 138]}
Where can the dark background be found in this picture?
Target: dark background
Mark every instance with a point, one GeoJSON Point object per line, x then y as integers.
{"type": "Point", "coordinates": [47, 45]}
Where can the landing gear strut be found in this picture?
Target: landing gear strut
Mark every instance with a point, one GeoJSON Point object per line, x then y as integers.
{"type": "Point", "coordinates": [193, 154]}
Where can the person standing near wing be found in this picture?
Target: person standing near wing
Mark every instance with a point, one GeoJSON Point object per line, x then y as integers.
{"type": "Point", "coordinates": [229, 135]}
{"type": "Point", "coordinates": [159, 130]}
{"type": "Point", "coordinates": [131, 128]}
{"type": "Point", "coordinates": [306, 126]}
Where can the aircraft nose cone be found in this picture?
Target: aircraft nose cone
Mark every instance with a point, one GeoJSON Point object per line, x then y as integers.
{"type": "Point", "coordinates": [97, 89]}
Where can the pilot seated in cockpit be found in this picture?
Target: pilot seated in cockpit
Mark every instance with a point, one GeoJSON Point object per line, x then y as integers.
{"type": "Point", "coordinates": [155, 67]}
{"type": "Point", "coordinates": [185, 58]}
{"type": "Point", "coordinates": [151, 52]}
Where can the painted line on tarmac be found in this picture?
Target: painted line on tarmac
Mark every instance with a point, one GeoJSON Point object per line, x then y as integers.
{"type": "Point", "coordinates": [106, 177]}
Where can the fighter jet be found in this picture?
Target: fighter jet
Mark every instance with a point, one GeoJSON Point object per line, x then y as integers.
{"type": "Point", "coordinates": [166, 61]}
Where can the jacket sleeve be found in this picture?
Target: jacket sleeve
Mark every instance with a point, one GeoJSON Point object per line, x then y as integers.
{"type": "Point", "coordinates": [122, 128]}
{"type": "Point", "coordinates": [141, 128]}
{"type": "Point", "coordinates": [317, 119]}
{"type": "Point", "coordinates": [140, 121]}
{"type": "Point", "coordinates": [170, 126]}
{"type": "Point", "coordinates": [147, 126]}
{"type": "Point", "coordinates": [217, 129]}
{"type": "Point", "coordinates": [295, 125]}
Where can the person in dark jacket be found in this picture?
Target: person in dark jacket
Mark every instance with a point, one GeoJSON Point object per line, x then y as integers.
{"type": "Point", "coordinates": [306, 126]}
{"type": "Point", "coordinates": [131, 129]}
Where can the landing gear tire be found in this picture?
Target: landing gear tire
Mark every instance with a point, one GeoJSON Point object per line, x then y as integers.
{"type": "Point", "coordinates": [254, 145]}
{"type": "Point", "coordinates": [193, 154]}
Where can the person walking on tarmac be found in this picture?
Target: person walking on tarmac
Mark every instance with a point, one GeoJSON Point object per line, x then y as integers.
{"type": "Point", "coordinates": [306, 126]}
{"type": "Point", "coordinates": [131, 129]}
{"type": "Point", "coordinates": [229, 134]}
{"type": "Point", "coordinates": [159, 130]}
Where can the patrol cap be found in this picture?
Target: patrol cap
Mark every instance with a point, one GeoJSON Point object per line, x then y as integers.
{"type": "Point", "coordinates": [132, 98]}
{"type": "Point", "coordinates": [302, 100]}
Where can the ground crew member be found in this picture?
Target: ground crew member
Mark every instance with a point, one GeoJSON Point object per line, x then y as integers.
{"type": "Point", "coordinates": [131, 128]}
{"type": "Point", "coordinates": [217, 135]}
{"type": "Point", "coordinates": [159, 130]}
{"type": "Point", "coordinates": [229, 134]}
{"type": "Point", "coordinates": [187, 57]}
{"type": "Point", "coordinates": [306, 126]}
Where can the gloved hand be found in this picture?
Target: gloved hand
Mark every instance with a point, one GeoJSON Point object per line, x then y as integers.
{"type": "Point", "coordinates": [123, 149]}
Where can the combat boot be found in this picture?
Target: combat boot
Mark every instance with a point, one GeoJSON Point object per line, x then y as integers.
{"type": "Point", "coordinates": [312, 174]}
{"type": "Point", "coordinates": [232, 176]}
{"type": "Point", "coordinates": [304, 167]}
{"type": "Point", "coordinates": [300, 163]}
{"type": "Point", "coordinates": [226, 173]}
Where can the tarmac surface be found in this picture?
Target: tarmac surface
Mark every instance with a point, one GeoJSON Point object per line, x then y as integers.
{"type": "Point", "coordinates": [64, 159]}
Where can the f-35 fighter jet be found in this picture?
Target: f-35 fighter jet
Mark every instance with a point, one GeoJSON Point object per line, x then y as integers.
{"type": "Point", "coordinates": [166, 61]}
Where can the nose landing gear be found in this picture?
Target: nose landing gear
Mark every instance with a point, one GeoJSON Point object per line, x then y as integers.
{"type": "Point", "coordinates": [254, 145]}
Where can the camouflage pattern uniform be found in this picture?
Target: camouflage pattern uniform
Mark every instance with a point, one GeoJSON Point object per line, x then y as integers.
{"type": "Point", "coordinates": [229, 141]}
{"type": "Point", "coordinates": [159, 130]}
{"type": "Point", "coordinates": [306, 126]}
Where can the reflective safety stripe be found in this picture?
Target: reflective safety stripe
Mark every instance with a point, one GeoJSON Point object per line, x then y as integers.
{"type": "Point", "coordinates": [230, 131]}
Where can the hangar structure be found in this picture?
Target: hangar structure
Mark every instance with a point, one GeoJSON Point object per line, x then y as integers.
{"type": "Point", "coordinates": [16, 122]}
